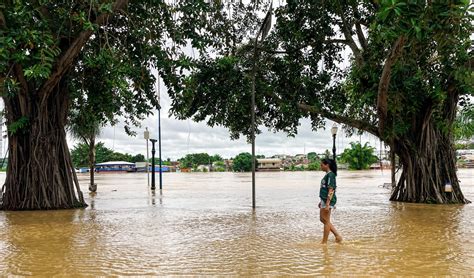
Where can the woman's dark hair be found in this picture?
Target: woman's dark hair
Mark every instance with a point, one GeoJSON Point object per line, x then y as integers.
{"type": "Point", "coordinates": [332, 164]}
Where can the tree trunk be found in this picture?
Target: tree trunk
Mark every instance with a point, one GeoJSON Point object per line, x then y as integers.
{"type": "Point", "coordinates": [92, 186]}
{"type": "Point", "coordinates": [428, 164]}
{"type": "Point", "coordinates": [427, 156]}
{"type": "Point", "coordinates": [40, 174]}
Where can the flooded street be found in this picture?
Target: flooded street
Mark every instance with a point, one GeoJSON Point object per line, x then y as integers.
{"type": "Point", "coordinates": [203, 223]}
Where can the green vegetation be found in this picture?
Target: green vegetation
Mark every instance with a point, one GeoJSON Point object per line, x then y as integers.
{"type": "Point", "coordinates": [85, 127]}
{"type": "Point", "coordinates": [464, 124]}
{"type": "Point", "coordinates": [312, 156]}
{"type": "Point", "coordinates": [314, 166]}
{"type": "Point", "coordinates": [359, 157]}
{"type": "Point", "coordinates": [462, 146]}
{"type": "Point", "coordinates": [196, 159]}
{"type": "Point", "coordinates": [80, 153]}
{"type": "Point", "coordinates": [219, 166]}
{"type": "Point", "coordinates": [243, 163]}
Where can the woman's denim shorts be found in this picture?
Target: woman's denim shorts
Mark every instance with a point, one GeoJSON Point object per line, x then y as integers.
{"type": "Point", "coordinates": [322, 204]}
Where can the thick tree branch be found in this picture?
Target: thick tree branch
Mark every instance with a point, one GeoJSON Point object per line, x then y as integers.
{"type": "Point", "coordinates": [346, 30]}
{"type": "Point", "coordinates": [360, 33]}
{"type": "Point", "coordinates": [382, 98]}
{"type": "Point", "coordinates": [67, 59]}
{"type": "Point", "coordinates": [375, 4]}
{"type": "Point", "coordinates": [343, 41]}
{"type": "Point", "coordinates": [470, 64]}
{"type": "Point", "coordinates": [362, 125]}
{"type": "Point", "coordinates": [355, 49]}
{"type": "Point", "coordinates": [3, 23]}
{"type": "Point", "coordinates": [22, 95]}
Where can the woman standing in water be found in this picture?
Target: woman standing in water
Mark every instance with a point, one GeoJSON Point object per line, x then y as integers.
{"type": "Point", "coordinates": [327, 193]}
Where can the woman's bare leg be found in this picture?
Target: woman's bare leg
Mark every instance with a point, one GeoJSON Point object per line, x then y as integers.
{"type": "Point", "coordinates": [325, 217]}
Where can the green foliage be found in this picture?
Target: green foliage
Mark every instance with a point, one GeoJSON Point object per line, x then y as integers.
{"type": "Point", "coordinates": [113, 68]}
{"type": "Point", "coordinates": [138, 158]}
{"type": "Point", "coordinates": [300, 63]}
{"type": "Point", "coordinates": [313, 157]}
{"type": "Point", "coordinates": [243, 163]}
{"type": "Point", "coordinates": [359, 157]}
{"type": "Point", "coordinates": [219, 166]}
{"type": "Point", "coordinates": [80, 155]}
{"type": "Point", "coordinates": [462, 146]}
{"type": "Point", "coordinates": [314, 166]}
{"type": "Point", "coordinates": [196, 159]}
{"type": "Point", "coordinates": [19, 126]}
{"type": "Point", "coordinates": [294, 168]}
{"type": "Point", "coordinates": [464, 124]}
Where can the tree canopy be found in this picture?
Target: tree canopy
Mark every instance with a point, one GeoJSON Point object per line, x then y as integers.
{"type": "Point", "coordinates": [242, 162]}
{"type": "Point", "coordinates": [196, 159]}
{"type": "Point", "coordinates": [408, 71]}
{"type": "Point", "coordinates": [98, 59]}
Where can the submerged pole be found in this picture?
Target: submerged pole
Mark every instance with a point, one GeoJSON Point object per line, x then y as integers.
{"type": "Point", "coordinates": [153, 163]}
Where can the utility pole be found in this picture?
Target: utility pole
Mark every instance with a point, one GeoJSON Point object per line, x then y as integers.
{"type": "Point", "coordinates": [264, 29]}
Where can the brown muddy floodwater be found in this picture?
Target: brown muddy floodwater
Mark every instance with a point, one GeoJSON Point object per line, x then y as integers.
{"type": "Point", "coordinates": [203, 224]}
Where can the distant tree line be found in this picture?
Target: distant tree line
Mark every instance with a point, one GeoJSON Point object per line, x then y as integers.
{"type": "Point", "coordinates": [196, 159]}
{"type": "Point", "coordinates": [80, 156]}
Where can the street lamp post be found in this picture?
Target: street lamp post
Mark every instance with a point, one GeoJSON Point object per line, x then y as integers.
{"type": "Point", "coordinates": [153, 141]}
{"type": "Point", "coordinates": [159, 148]}
{"type": "Point", "coordinates": [334, 132]}
{"type": "Point", "coordinates": [147, 137]}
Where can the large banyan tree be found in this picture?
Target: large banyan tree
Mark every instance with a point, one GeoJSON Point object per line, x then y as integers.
{"type": "Point", "coordinates": [396, 69]}
{"type": "Point", "coordinates": [102, 57]}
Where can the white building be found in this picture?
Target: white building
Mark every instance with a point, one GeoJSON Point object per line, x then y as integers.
{"type": "Point", "coordinates": [269, 164]}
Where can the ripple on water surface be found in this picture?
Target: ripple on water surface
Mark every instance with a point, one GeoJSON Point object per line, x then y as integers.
{"type": "Point", "coordinates": [203, 224]}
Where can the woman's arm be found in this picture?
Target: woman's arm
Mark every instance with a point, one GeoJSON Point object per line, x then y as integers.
{"type": "Point", "coordinates": [330, 194]}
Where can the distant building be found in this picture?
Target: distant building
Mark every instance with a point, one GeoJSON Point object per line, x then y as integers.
{"type": "Point", "coordinates": [141, 166]}
{"type": "Point", "coordinates": [464, 152]}
{"type": "Point", "coordinates": [280, 156]}
{"type": "Point", "coordinates": [466, 161]}
{"type": "Point", "coordinates": [115, 166]}
{"type": "Point", "coordinates": [384, 164]}
{"type": "Point", "coordinates": [300, 156]}
{"type": "Point", "coordinates": [204, 168]}
{"type": "Point", "coordinates": [229, 163]}
{"type": "Point", "coordinates": [269, 164]}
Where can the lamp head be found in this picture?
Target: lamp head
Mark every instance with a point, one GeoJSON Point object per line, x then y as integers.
{"type": "Point", "coordinates": [334, 130]}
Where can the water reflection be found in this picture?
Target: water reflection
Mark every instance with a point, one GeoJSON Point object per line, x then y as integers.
{"type": "Point", "coordinates": [152, 196]}
{"type": "Point", "coordinates": [34, 236]}
{"type": "Point", "coordinates": [203, 224]}
{"type": "Point", "coordinates": [92, 200]}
